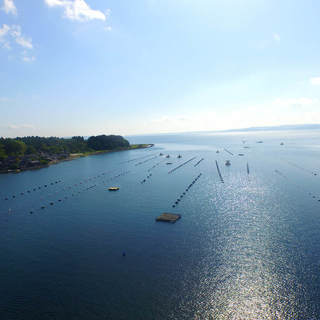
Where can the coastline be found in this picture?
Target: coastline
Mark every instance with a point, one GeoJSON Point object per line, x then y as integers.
{"type": "Point", "coordinates": [74, 156]}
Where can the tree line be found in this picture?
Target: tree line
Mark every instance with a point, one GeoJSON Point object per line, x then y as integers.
{"type": "Point", "coordinates": [22, 146]}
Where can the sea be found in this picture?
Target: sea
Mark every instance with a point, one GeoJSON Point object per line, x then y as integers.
{"type": "Point", "coordinates": [247, 245]}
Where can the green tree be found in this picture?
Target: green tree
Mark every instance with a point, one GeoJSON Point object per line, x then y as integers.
{"type": "Point", "coordinates": [104, 142]}
{"type": "Point", "coordinates": [3, 154]}
{"type": "Point", "coordinates": [14, 147]}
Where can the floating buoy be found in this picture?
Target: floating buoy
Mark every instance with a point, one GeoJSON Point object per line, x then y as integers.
{"type": "Point", "coordinates": [123, 254]}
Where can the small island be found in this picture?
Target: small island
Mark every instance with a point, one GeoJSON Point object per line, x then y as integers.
{"type": "Point", "coordinates": [25, 153]}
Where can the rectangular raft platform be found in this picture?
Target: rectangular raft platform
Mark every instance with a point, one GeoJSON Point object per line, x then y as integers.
{"type": "Point", "coordinates": [168, 217]}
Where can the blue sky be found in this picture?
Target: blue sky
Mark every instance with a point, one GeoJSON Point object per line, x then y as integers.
{"type": "Point", "coordinates": [85, 67]}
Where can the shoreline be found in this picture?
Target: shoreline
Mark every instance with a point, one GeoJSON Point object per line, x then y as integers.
{"type": "Point", "coordinates": [74, 156]}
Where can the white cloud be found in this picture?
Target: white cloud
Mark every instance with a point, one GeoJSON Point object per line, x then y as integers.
{"type": "Point", "coordinates": [276, 37]}
{"type": "Point", "coordinates": [315, 81]}
{"type": "Point", "coordinates": [19, 39]}
{"type": "Point", "coordinates": [4, 31]}
{"type": "Point", "coordinates": [9, 7]}
{"type": "Point", "coordinates": [271, 41]}
{"type": "Point", "coordinates": [3, 36]}
{"type": "Point", "coordinates": [13, 126]}
{"type": "Point", "coordinates": [78, 10]}
{"type": "Point", "coordinates": [295, 102]}
{"type": "Point", "coordinates": [28, 59]}
{"type": "Point", "coordinates": [12, 34]}
{"type": "Point", "coordinates": [24, 42]}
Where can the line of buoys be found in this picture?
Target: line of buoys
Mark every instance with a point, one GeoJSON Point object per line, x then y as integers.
{"type": "Point", "coordinates": [280, 173]}
{"type": "Point", "coordinates": [228, 151]}
{"type": "Point", "coordinates": [186, 190]}
{"type": "Point", "coordinates": [218, 169]}
{"type": "Point", "coordinates": [181, 165]}
{"type": "Point", "coordinates": [148, 176]}
{"type": "Point", "coordinates": [301, 168]}
{"type": "Point", "coordinates": [142, 162]}
{"type": "Point", "coordinates": [156, 165]}
{"type": "Point", "coordinates": [32, 189]}
{"type": "Point", "coordinates": [71, 188]}
{"type": "Point", "coordinates": [139, 158]}
{"type": "Point", "coordinates": [296, 184]}
{"type": "Point", "coordinates": [198, 162]}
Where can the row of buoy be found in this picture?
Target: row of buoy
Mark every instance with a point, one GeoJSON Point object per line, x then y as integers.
{"type": "Point", "coordinates": [301, 168]}
{"type": "Point", "coordinates": [75, 192]}
{"type": "Point", "coordinates": [313, 196]}
{"type": "Point", "coordinates": [228, 151]}
{"type": "Point", "coordinates": [198, 162]}
{"type": "Point", "coordinates": [285, 177]}
{"type": "Point", "coordinates": [181, 165]}
{"type": "Point", "coordinates": [280, 173]}
{"type": "Point", "coordinates": [219, 172]}
{"type": "Point", "coordinates": [148, 176]}
{"type": "Point", "coordinates": [155, 165]}
{"type": "Point", "coordinates": [147, 160]}
{"type": "Point", "coordinates": [31, 190]}
{"type": "Point", "coordinates": [139, 158]}
{"type": "Point", "coordinates": [186, 190]}
{"type": "Point", "coordinates": [119, 175]}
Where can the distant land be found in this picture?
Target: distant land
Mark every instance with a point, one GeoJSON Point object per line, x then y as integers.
{"type": "Point", "coordinates": [278, 128]}
{"type": "Point", "coordinates": [26, 153]}
{"type": "Point", "coordinates": [250, 129]}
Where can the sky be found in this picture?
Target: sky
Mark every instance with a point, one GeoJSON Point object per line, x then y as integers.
{"type": "Point", "coordinates": [88, 67]}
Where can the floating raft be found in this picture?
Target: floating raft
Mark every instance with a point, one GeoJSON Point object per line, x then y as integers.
{"type": "Point", "coordinates": [168, 217]}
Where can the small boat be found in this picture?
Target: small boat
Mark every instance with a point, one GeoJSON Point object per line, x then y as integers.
{"type": "Point", "coordinates": [228, 163]}
{"type": "Point", "coordinates": [169, 163]}
{"type": "Point", "coordinates": [179, 156]}
{"type": "Point", "coordinates": [113, 188]}
{"type": "Point", "coordinates": [161, 154]}
{"type": "Point", "coordinates": [217, 151]}
{"type": "Point", "coordinates": [241, 154]}
{"type": "Point", "coordinates": [167, 156]}
{"type": "Point", "coordinates": [260, 141]}
{"type": "Point", "coordinates": [281, 144]}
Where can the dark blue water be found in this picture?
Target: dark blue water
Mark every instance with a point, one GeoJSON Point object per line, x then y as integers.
{"type": "Point", "coordinates": [247, 248]}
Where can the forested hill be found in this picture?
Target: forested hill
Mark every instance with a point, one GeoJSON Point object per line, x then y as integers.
{"type": "Point", "coordinates": [24, 152]}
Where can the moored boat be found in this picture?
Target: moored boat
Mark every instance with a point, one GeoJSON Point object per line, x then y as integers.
{"type": "Point", "coordinates": [113, 188]}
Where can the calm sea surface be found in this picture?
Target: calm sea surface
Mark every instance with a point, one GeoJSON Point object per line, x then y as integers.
{"type": "Point", "coordinates": [245, 248]}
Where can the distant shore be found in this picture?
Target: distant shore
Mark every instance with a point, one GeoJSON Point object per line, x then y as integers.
{"type": "Point", "coordinates": [73, 156]}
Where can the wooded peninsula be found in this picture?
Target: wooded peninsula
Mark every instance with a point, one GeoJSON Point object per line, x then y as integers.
{"type": "Point", "coordinates": [24, 153]}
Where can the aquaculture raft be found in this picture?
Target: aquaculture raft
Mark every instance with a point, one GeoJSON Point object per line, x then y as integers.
{"type": "Point", "coordinates": [168, 217]}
